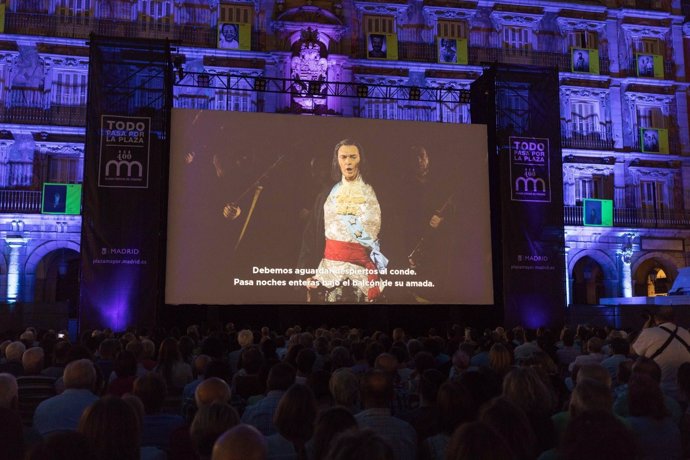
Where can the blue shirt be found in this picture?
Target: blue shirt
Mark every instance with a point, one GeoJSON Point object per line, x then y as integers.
{"type": "Point", "coordinates": [62, 412]}
{"type": "Point", "coordinates": [260, 415]}
{"type": "Point", "coordinates": [399, 434]}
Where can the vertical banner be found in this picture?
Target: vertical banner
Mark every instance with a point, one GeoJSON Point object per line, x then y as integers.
{"type": "Point", "coordinates": [521, 108]}
{"type": "Point", "coordinates": [125, 182]}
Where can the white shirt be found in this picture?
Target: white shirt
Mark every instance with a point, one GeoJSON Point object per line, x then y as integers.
{"type": "Point", "coordinates": [651, 339]}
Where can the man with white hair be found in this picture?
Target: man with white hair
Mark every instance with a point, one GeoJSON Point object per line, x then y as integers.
{"type": "Point", "coordinates": [13, 359]}
{"type": "Point", "coordinates": [245, 338]}
{"type": "Point", "coordinates": [62, 412]}
{"type": "Point", "coordinates": [33, 387]}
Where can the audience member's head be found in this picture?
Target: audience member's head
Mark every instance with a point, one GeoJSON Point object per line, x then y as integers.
{"type": "Point", "coordinates": [377, 390]}
{"type": "Point", "coordinates": [8, 391]}
{"type": "Point", "coordinates": [500, 358]}
{"type": "Point", "coordinates": [593, 372]}
{"type": "Point", "coordinates": [597, 435]}
{"type": "Point", "coordinates": [386, 362]}
{"type": "Point", "coordinates": [429, 383]}
{"type": "Point", "coordinates": [14, 351]}
{"type": "Point", "coordinates": [245, 338]}
{"type": "Point", "coordinates": [590, 395]}
{"type": "Point", "coordinates": [280, 377]}
{"type": "Point", "coordinates": [125, 364]}
{"type": "Point", "coordinates": [212, 390]}
{"type": "Point", "coordinates": [108, 349]}
{"type": "Point", "coordinates": [512, 424]}
{"type": "Point", "coordinates": [200, 364]}
{"type": "Point", "coordinates": [619, 346]}
{"type": "Point", "coordinates": [63, 445]}
{"type": "Point", "coordinates": [344, 387]}
{"type": "Point", "coordinates": [112, 429]}
{"type": "Point", "coordinates": [455, 406]}
{"type": "Point", "coordinates": [647, 366]}
{"type": "Point", "coordinates": [330, 423]}
{"type": "Point", "coordinates": [645, 397]}
{"type": "Point", "coordinates": [477, 441]}
{"type": "Point", "coordinates": [151, 389]}
{"type": "Point", "coordinates": [209, 423]}
{"type": "Point", "coordinates": [242, 442]}
{"type": "Point", "coordinates": [340, 357]}
{"type": "Point", "coordinates": [33, 360]}
{"type": "Point", "coordinates": [295, 416]}
{"type": "Point", "coordinates": [594, 345]}
{"type": "Point", "coordinates": [525, 388]}
{"type": "Point", "coordinates": [359, 445]}
{"type": "Point", "coordinates": [80, 375]}
{"type": "Point", "coordinates": [305, 361]}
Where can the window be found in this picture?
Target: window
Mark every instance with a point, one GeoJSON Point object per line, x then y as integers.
{"type": "Point", "coordinates": [156, 15]}
{"type": "Point", "coordinates": [583, 39]}
{"type": "Point", "coordinates": [236, 13]}
{"type": "Point", "coordinates": [382, 109]}
{"type": "Point", "coordinates": [649, 46]}
{"type": "Point", "coordinates": [73, 11]}
{"type": "Point", "coordinates": [650, 117]}
{"type": "Point", "coordinates": [379, 25]}
{"type": "Point", "coordinates": [589, 187]}
{"type": "Point", "coordinates": [516, 38]}
{"type": "Point", "coordinates": [69, 88]}
{"type": "Point", "coordinates": [65, 168]}
{"type": "Point", "coordinates": [451, 29]}
{"type": "Point", "coordinates": [585, 117]}
{"type": "Point", "coordinates": [653, 196]}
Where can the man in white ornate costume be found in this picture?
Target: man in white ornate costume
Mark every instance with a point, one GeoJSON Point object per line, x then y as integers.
{"type": "Point", "coordinates": [349, 216]}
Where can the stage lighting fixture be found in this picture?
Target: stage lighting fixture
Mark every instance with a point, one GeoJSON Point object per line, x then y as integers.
{"type": "Point", "coordinates": [465, 96]}
{"type": "Point", "coordinates": [362, 91]}
{"type": "Point", "coordinates": [415, 93]}
{"type": "Point", "coordinates": [260, 84]}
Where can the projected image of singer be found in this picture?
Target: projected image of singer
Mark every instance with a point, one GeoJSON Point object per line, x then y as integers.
{"type": "Point", "coordinates": [341, 238]}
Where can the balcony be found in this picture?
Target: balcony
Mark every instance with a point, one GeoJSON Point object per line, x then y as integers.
{"type": "Point", "coordinates": [597, 139]}
{"type": "Point", "coordinates": [634, 217]}
{"type": "Point", "coordinates": [56, 115]}
{"type": "Point", "coordinates": [20, 201]}
{"type": "Point", "coordinates": [80, 27]}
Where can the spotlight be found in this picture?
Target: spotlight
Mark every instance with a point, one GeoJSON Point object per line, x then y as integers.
{"type": "Point", "coordinates": [465, 96]}
{"type": "Point", "coordinates": [260, 84]}
{"type": "Point", "coordinates": [362, 91]}
{"type": "Point", "coordinates": [415, 93]}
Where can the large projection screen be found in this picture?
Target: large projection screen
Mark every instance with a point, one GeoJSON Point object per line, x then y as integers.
{"type": "Point", "coordinates": [252, 200]}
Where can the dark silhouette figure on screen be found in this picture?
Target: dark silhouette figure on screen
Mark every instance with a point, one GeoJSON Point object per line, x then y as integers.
{"type": "Point", "coordinates": [645, 66]}
{"type": "Point", "coordinates": [593, 212]}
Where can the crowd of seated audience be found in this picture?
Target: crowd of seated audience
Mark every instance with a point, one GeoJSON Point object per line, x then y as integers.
{"type": "Point", "coordinates": [340, 394]}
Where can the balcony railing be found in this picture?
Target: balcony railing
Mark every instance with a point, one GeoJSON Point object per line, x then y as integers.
{"type": "Point", "coordinates": [427, 52]}
{"type": "Point", "coordinates": [20, 201]}
{"type": "Point", "coordinates": [634, 217]}
{"type": "Point", "coordinates": [54, 26]}
{"type": "Point", "coordinates": [59, 115]}
{"type": "Point", "coordinates": [598, 139]}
